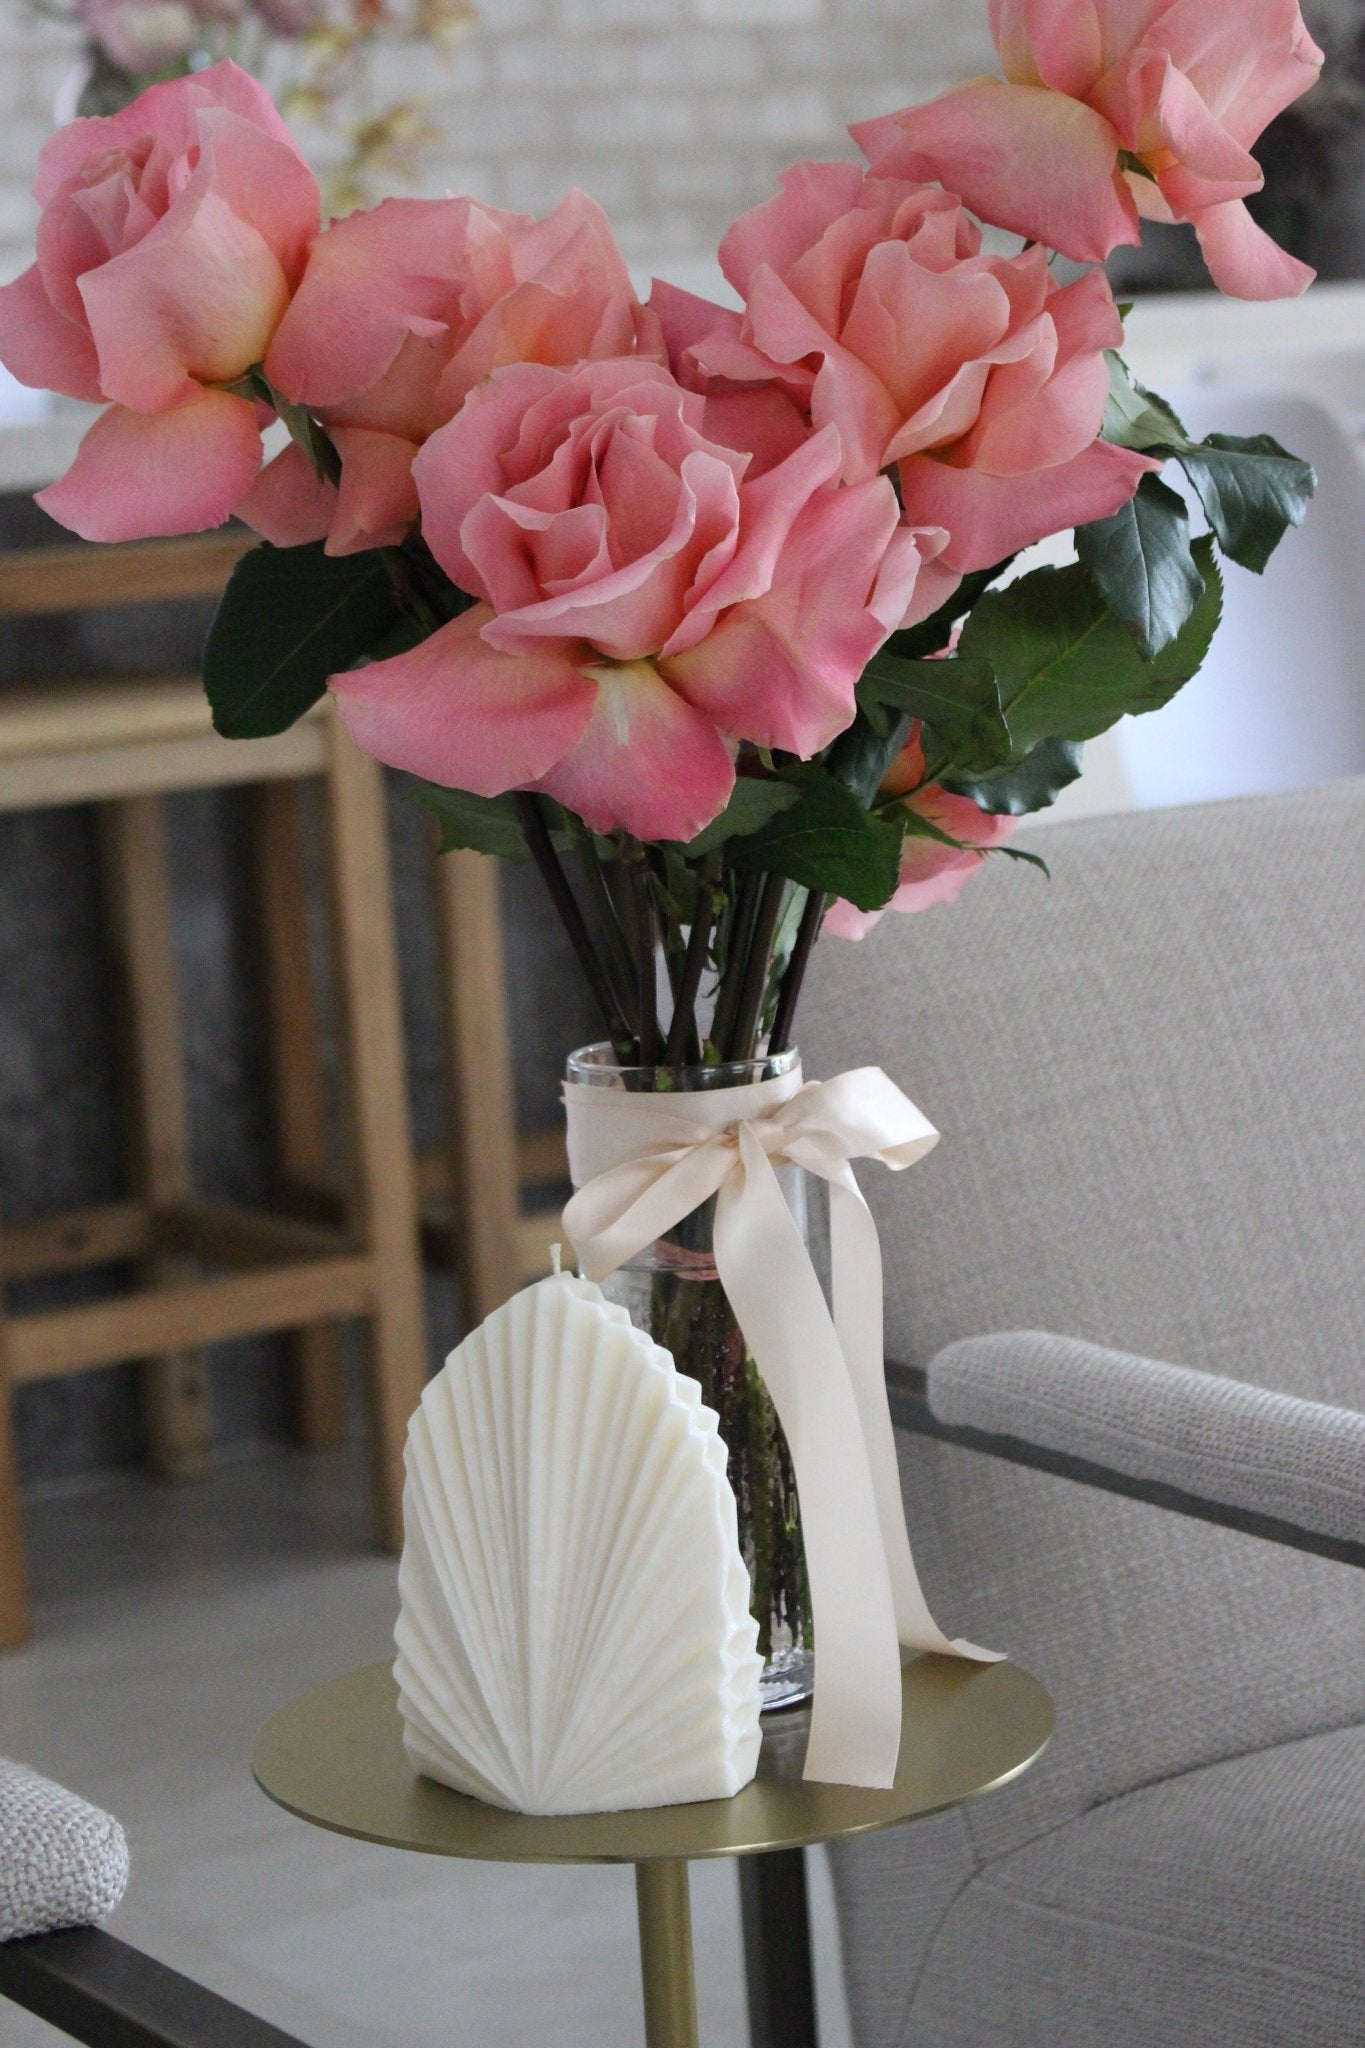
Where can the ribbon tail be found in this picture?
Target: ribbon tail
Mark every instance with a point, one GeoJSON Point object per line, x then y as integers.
{"type": "Point", "coordinates": [856, 1261]}
{"type": "Point", "coordinates": [780, 1306]}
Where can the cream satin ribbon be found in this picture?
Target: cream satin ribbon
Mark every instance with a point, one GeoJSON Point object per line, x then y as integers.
{"type": "Point", "coordinates": [640, 1164]}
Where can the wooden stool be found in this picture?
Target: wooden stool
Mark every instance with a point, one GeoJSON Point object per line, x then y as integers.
{"type": "Point", "coordinates": [471, 1187]}
{"type": "Point", "coordinates": [473, 1216]}
{"type": "Point", "coordinates": [206, 1272]}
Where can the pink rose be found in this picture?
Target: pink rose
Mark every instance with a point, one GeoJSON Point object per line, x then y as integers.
{"type": "Point", "coordinates": [977, 377]}
{"type": "Point", "coordinates": [1115, 109]}
{"type": "Point", "coordinates": [763, 408]}
{"type": "Point", "coordinates": [402, 311]}
{"type": "Point", "coordinates": [171, 237]}
{"type": "Point", "coordinates": [642, 603]}
{"type": "Point", "coordinates": [931, 873]}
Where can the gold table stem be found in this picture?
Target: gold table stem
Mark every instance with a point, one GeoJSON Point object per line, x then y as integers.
{"type": "Point", "coordinates": [666, 1954]}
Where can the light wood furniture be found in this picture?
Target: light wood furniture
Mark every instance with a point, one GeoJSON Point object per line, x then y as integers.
{"type": "Point", "coordinates": [472, 1210]}
{"type": "Point", "coordinates": [471, 1187]}
{"type": "Point", "coordinates": [203, 1271]}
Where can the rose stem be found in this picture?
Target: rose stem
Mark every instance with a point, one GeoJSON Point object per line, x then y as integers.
{"type": "Point", "coordinates": [682, 1032]}
{"type": "Point", "coordinates": [808, 932]}
{"type": "Point", "coordinates": [571, 917]}
{"type": "Point", "coordinates": [741, 925]}
{"type": "Point", "coordinates": [641, 904]}
{"type": "Point", "coordinates": [619, 963]}
{"type": "Point", "coordinates": [766, 921]}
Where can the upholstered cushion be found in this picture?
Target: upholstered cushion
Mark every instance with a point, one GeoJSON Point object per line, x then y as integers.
{"type": "Point", "coordinates": [62, 1863]}
{"type": "Point", "coordinates": [1224, 1908]}
{"type": "Point", "coordinates": [1300, 1461]}
{"type": "Point", "coordinates": [1150, 1078]}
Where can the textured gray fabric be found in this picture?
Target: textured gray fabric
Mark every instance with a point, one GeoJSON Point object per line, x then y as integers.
{"type": "Point", "coordinates": [62, 1863]}
{"type": "Point", "coordinates": [1225, 1908]}
{"type": "Point", "coordinates": [1150, 1077]}
{"type": "Point", "coordinates": [1218, 1438]}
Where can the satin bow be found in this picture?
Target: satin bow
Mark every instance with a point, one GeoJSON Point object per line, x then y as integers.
{"type": "Point", "coordinates": [640, 1164]}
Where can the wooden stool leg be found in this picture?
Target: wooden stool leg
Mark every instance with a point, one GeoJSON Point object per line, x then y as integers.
{"type": "Point", "coordinates": [14, 1621]}
{"type": "Point", "coordinates": [481, 1115]}
{"type": "Point", "coordinates": [318, 1386]}
{"type": "Point", "coordinates": [383, 1192]}
{"type": "Point", "coordinates": [175, 1388]}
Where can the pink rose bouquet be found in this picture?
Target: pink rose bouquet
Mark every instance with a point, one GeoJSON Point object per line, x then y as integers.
{"type": "Point", "coordinates": [712, 613]}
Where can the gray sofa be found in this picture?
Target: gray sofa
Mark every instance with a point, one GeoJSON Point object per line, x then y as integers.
{"type": "Point", "coordinates": [1150, 1077]}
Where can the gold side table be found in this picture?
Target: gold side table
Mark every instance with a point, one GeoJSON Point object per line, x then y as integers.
{"type": "Point", "coordinates": [336, 1758]}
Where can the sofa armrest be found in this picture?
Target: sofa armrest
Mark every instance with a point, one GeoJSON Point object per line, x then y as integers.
{"type": "Point", "coordinates": [1275, 1466]}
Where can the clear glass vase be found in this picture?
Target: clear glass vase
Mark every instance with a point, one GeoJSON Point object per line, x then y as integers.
{"type": "Point", "coordinates": [673, 1291]}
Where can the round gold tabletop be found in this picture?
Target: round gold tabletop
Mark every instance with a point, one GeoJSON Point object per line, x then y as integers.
{"type": "Point", "coordinates": [336, 1757]}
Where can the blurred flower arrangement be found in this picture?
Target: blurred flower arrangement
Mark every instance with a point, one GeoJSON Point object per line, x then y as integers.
{"type": "Point", "coordinates": [311, 55]}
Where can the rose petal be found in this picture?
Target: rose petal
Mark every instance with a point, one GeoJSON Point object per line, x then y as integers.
{"type": "Point", "coordinates": [377, 500]}
{"type": "Point", "coordinates": [40, 346]}
{"type": "Point", "coordinates": [989, 517]}
{"type": "Point", "coordinates": [372, 279]}
{"type": "Point", "coordinates": [647, 762]}
{"type": "Point", "coordinates": [289, 503]}
{"type": "Point", "coordinates": [1027, 159]}
{"type": "Point", "coordinates": [196, 301]}
{"type": "Point", "coordinates": [1243, 260]}
{"type": "Point", "coordinates": [137, 475]}
{"type": "Point", "coordinates": [456, 711]}
{"type": "Point", "coordinates": [781, 670]}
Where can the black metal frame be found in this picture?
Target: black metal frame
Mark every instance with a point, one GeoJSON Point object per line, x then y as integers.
{"type": "Point", "coordinates": [99, 1990]}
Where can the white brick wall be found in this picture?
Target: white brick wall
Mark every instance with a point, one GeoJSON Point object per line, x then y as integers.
{"type": "Point", "coordinates": [676, 114]}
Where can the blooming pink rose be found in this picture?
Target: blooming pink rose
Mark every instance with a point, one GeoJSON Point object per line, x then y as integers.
{"type": "Point", "coordinates": [931, 873]}
{"type": "Point", "coordinates": [171, 237]}
{"type": "Point", "coordinates": [977, 377]}
{"type": "Point", "coordinates": [762, 408]}
{"type": "Point", "coordinates": [402, 311]}
{"type": "Point", "coordinates": [641, 604]}
{"type": "Point", "coordinates": [1115, 109]}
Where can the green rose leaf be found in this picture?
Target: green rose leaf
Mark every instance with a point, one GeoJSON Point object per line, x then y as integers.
{"type": "Point", "coordinates": [1140, 562]}
{"type": "Point", "coordinates": [288, 619]}
{"type": "Point", "coordinates": [753, 802]}
{"type": "Point", "coordinates": [1135, 418]}
{"type": "Point", "coordinates": [828, 841]}
{"type": "Point", "coordinates": [1252, 491]}
{"type": "Point", "coordinates": [1066, 667]}
{"type": "Point", "coordinates": [957, 700]}
{"type": "Point", "coordinates": [488, 824]}
{"type": "Point", "coordinates": [1031, 785]}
